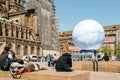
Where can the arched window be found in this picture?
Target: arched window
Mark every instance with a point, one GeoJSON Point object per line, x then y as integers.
{"type": "Point", "coordinates": [18, 49]}
{"type": "Point", "coordinates": [0, 29]}
{"type": "Point", "coordinates": [26, 34]}
{"type": "Point", "coordinates": [32, 50]}
{"type": "Point", "coordinates": [15, 0]}
{"type": "Point", "coordinates": [38, 51]}
{"type": "Point", "coordinates": [12, 31]}
{"type": "Point", "coordinates": [19, 1]}
{"type": "Point", "coordinates": [22, 33]}
{"type": "Point", "coordinates": [17, 32]}
{"type": "Point", "coordinates": [6, 30]}
{"type": "Point", "coordinates": [26, 50]}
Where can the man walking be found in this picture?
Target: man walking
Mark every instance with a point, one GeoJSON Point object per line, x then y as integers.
{"type": "Point", "coordinates": [95, 62]}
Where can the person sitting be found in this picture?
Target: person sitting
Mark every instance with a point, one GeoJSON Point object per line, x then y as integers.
{"type": "Point", "coordinates": [54, 60]}
{"type": "Point", "coordinates": [6, 58]}
{"type": "Point", "coordinates": [64, 63]}
{"type": "Point", "coordinates": [35, 66]}
{"type": "Point", "coordinates": [105, 57]}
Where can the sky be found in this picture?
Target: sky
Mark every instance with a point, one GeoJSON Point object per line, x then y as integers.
{"type": "Point", "coordinates": [71, 12]}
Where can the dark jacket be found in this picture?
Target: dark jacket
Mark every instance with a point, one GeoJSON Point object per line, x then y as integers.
{"type": "Point", "coordinates": [4, 54]}
{"type": "Point", "coordinates": [6, 50]}
{"type": "Point", "coordinates": [4, 60]}
{"type": "Point", "coordinates": [105, 57]}
{"type": "Point", "coordinates": [64, 63]}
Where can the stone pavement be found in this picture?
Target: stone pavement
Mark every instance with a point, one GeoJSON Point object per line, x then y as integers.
{"type": "Point", "coordinates": [93, 75]}
{"type": "Point", "coordinates": [2, 78]}
{"type": "Point", "coordinates": [104, 76]}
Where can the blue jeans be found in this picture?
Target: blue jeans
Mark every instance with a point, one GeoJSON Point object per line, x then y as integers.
{"type": "Point", "coordinates": [95, 65]}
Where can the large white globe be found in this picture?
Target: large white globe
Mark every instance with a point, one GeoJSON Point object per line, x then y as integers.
{"type": "Point", "coordinates": [88, 35]}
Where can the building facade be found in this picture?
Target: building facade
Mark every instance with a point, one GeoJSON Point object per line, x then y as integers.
{"type": "Point", "coordinates": [22, 27]}
{"type": "Point", "coordinates": [47, 22]}
{"type": "Point", "coordinates": [112, 37]}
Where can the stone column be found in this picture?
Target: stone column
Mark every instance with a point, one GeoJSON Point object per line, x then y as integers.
{"type": "Point", "coordinates": [9, 31]}
{"type": "Point", "coordinates": [41, 52]}
{"type": "Point", "coordinates": [38, 51]}
{"type": "Point", "coordinates": [24, 34]}
{"type": "Point", "coordinates": [7, 8]}
{"type": "Point", "coordinates": [22, 51]}
{"type": "Point", "coordinates": [3, 29]}
{"type": "Point", "coordinates": [28, 36]}
{"type": "Point", "coordinates": [19, 33]}
{"type": "Point", "coordinates": [14, 29]}
{"type": "Point", "coordinates": [29, 50]}
{"type": "Point", "coordinates": [35, 50]}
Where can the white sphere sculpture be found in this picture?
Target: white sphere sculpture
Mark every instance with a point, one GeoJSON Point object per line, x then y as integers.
{"type": "Point", "coordinates": [88, 35]}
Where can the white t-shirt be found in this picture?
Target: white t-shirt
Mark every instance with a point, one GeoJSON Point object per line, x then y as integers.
{"type": "Point", "coordinates": [94, 57]}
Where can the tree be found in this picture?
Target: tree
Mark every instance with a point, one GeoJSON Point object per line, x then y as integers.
{"type": "Point", "coordinates": [106, 49]}
{"type": "Point", "coordinates": [99, 50]}
{"type": "Point", "coordinates": [117, 50]}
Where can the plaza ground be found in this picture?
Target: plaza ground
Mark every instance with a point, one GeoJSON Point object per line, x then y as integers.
{"type": "Point", "coordinates": [93, 76]}
{"type": "Point", "coordinates": [104, 76]}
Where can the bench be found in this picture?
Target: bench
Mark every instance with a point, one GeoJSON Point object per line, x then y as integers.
{"type": "Point", "coordinates": [51, 75]}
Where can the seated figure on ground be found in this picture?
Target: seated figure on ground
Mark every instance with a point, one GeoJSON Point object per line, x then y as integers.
{"type": "Point", "coordinates": [17, 68]}
{"type": "Point", "coordinates": [64, 63]}
{"type": "Point", "coordinates": [6, 58]}
{"type": "Point", "coordinates": [35, 67]}
{"type": "Point", "coordinates": [105, 57]}
{"type": "Point", "coordinates": [54, 60]}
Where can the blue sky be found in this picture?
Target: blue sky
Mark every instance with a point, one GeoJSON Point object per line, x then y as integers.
{"type": "Point", "coordinates": [71, 12]}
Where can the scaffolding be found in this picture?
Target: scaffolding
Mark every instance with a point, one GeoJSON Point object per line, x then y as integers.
{"type": "Point", "coordinates": [46, 22]}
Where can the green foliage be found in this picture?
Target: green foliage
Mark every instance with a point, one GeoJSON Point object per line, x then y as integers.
{"type": "Point", "coordinates": [106, 49]}
{"type": "Point", "coordinates": [98, 51]}
{"type": "Point", "coordinates": [117, 50]}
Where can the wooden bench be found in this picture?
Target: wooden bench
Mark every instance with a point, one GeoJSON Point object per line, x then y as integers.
{"type": "Point", "coordinates": [51, 75]}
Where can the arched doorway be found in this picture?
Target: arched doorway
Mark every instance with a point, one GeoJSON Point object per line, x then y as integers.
{"type": "Point", "coordinates": [25, 50]}
{"type": "Point", "coordinates": [0, 29]}
{"type": "Point", "coordinates": [38, 51]}
{"type": "Point", "coordinates": [32, 49]}
{"type": "Point", "coordinates": [18, 49]}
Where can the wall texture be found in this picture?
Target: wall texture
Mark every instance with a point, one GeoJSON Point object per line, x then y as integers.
{"type": "Point", "coordinates": [110, 66]}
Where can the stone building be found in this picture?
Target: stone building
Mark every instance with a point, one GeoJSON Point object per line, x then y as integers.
{"type": "Point", "coordinates": [47, 22]}
{"type": "Point", "coordinates": [24, 30]}
{"type": "Point", "coordinates": [112, 37]}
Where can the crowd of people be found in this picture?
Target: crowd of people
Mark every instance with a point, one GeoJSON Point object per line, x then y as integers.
{"type": "Point", "coordinates": [8, 59]}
